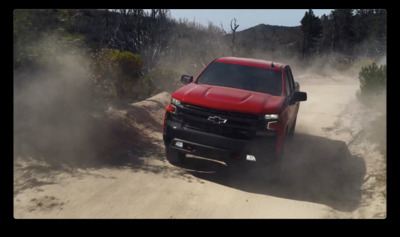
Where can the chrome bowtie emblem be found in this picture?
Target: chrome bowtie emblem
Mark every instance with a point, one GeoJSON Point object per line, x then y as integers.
{"type": "Point", "coordinates": [217, 119]}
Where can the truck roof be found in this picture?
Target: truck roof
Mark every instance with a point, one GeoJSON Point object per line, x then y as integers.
{"type": "Point", "coordinates": [251, 62]}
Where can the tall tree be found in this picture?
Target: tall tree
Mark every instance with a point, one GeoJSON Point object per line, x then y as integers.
{"type": "Point", "coordinates": [349, 33]}
{"type": "Point", "coordinates": [343, 38]}
{"type": "Point", "coordinates": [312, 31]}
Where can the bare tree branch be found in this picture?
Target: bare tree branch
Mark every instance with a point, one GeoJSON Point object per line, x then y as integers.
{"type": "Point", "coordinates": [234, 27]}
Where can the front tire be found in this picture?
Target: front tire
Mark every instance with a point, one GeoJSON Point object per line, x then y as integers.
{"type": "Point", "coordinates": [174, 156]}
{"type": "Point", "coordinates": [292, 129]}
{"type": "Point", "coordinates": [275, 164]}
{"type": "Point", "coordinates": [274, 170]}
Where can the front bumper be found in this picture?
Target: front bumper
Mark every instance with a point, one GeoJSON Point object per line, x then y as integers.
{"type": "Point", "coordinates": [210, 145]}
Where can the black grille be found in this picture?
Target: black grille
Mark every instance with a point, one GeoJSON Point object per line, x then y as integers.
{"type": "Point", "coordinates": [237, 125]}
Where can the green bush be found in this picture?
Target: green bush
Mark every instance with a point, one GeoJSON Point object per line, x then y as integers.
{"type": "Point", "coordinates": [117, 73]}
{"type": "Point", "coordinates": [372, 93]}
{"type": "Point", "coordinates": [102, 68]}
{"type": "Point", "coordinates": [130, 64]}
{"type": "Point", "coordinates": [163, 79]}
{"type": "Point", "coordinates": [128, 69]}
{"type": "Point", "coordinates": [372, 78]}
{"type": "Point", "coordinates": [372, 81]}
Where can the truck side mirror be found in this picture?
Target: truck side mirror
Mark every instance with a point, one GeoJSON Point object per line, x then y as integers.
{"type": "Point", "coordinates": [299, 96]}
{"type": "Point", "coordinates": [185, 79]}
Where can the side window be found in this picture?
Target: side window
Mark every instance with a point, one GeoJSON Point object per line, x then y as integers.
{"type": "Point", "coordinates": [290, 77]}
{"type": "Point", "coordinates": [287, 83]}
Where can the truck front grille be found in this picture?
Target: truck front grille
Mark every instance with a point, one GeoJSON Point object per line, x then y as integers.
{"type": "Point", "coordinates": [237, 125]}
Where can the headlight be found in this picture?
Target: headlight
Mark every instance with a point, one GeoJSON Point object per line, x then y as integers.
{"type": "Point", "coordinates": [271, 116]}
{"type": "Point", "coordinates": [175, 102]}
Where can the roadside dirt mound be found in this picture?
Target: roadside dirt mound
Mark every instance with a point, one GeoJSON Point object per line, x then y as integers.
{"type": "Point", "coordinates": [334, 114]}
{"type": "Point", "coordinates": [360, 127]}
{"type": "Point", "coordinates": [113, 136]}
{"type": "Point", "coordinates": [138, 127]}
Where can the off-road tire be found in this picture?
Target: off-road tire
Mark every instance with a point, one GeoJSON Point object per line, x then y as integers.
{"type": "Point", "coordinates": [174, 156]}
{"type": "Point", "coordinates": [274, 168]}
{"type": "Point", "coordinates": [275, 164]}
{"type": "Point", "coordinates": [292, 129]}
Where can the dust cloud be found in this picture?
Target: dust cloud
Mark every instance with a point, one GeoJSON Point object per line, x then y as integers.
{"type": "Point", "coordinates": [53, 107]}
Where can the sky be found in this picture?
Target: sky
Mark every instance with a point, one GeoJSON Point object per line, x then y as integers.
{"type": "Point", "coordinates": [245, 18]}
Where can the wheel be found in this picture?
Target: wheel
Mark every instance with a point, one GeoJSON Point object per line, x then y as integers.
{"type": "Point", "coordinates": [274, 169]}
{"type": "Point", "coordinates": [292, 129]}
{"type": "Point", "coordinates": [275, 165]}
{"type": "Point", "coordinates": [174, 156]}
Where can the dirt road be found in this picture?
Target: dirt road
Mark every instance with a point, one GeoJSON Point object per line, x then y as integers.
{"type": "Point", "coordinates": [332, 173]}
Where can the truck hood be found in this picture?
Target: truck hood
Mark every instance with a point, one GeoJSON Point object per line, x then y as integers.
{"type": "Point", "coordinates": [229, 99]}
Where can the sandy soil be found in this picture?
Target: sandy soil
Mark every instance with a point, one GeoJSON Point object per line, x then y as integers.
{"type": "Point", "coordinates": [333, 171]}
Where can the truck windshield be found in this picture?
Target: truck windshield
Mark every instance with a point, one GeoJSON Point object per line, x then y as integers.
{"type": "Point", "coordinates": [256, 79]}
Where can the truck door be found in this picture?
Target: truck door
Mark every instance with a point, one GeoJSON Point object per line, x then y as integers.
{"type": "Point", "coordinates": [289, 89]}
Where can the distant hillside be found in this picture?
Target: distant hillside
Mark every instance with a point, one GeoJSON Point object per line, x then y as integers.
{"type": "Point", "coordinates": [263, 28]}
{"type": "Point", "coordinates": [270, 38]}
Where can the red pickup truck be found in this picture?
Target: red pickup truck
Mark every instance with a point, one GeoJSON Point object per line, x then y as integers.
{"type": "Point", "coordinates": [236, 108]}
